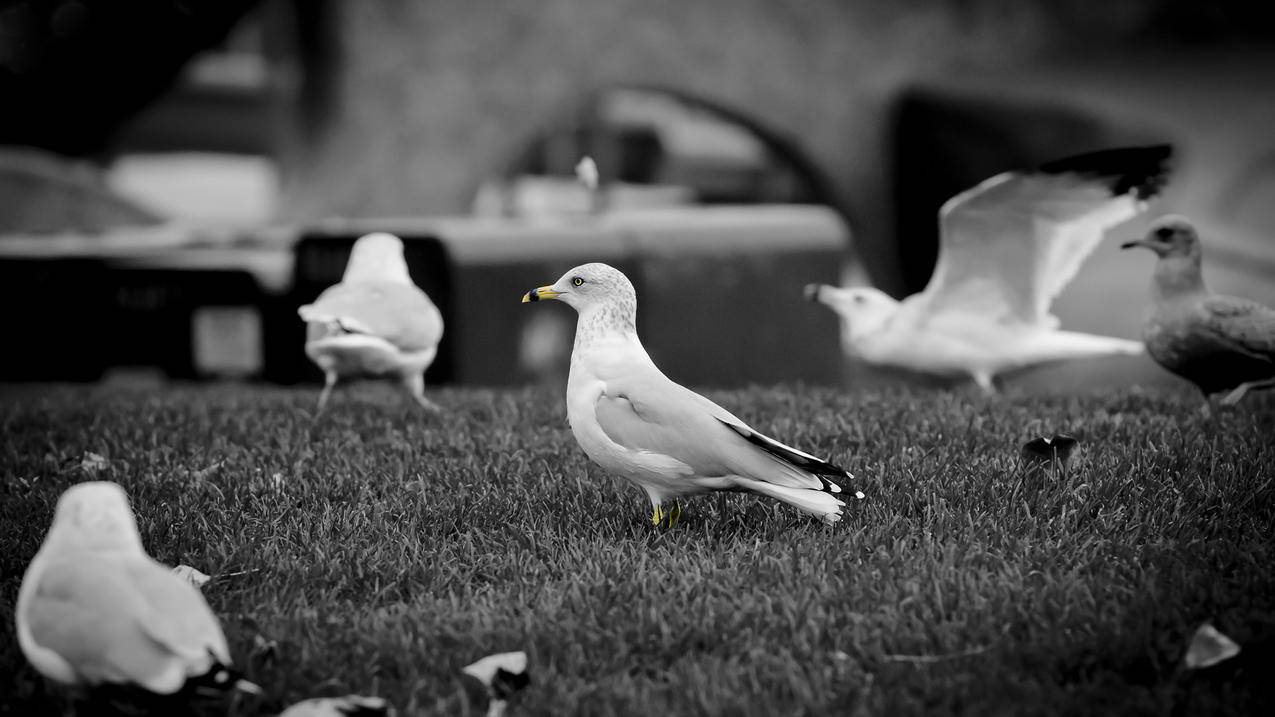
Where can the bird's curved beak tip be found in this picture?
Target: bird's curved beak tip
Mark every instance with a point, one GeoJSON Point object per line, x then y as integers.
{"type": "Point", "coordinates": [540, 294]}
{"type": "Point", "coordinates": [811, 292]}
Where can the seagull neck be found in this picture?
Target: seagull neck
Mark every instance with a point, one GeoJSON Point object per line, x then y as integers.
{"type": "Point", "coordinates": [603, 321]}
{"type": "Point", "coordinates": [1177, 276]}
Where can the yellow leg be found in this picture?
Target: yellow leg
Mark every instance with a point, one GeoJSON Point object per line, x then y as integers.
{"type": "Point", "coordinates": [657, 515]}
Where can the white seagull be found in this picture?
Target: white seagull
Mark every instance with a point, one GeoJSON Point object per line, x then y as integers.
{"type": "Point", "coordinates": [375, 323]}
{"type": "Point", "coordinates": [672, 442]}
{"type": "Point", "coordinates": [94, 609]}
{"type": "Point", "coordinates": [1007, 248]}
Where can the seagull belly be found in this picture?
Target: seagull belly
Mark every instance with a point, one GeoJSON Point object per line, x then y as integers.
{"type": "Point", "coordinates": [365, 355]}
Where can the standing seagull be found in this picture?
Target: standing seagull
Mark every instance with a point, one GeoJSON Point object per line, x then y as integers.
{"type": "Point", "coordinates": [94, 609]}
{"type": "Point", "coordinates": [1217, 342]}
{"type": "Point", "coordinates": [632, 420]}
{"type": "Point", "coordinates": [1007, 248]}
{"type": "Point", "coordinates": [376, 322]}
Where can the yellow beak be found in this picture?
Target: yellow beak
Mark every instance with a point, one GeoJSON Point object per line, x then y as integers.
{"type": "Point", "coordinates": [541, 294]}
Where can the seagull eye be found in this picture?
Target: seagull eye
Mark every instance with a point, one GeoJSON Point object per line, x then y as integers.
{"type": "Point", "coordinates": [1164, 233]}
{"type": "Point", "coordinates": [577, 281]}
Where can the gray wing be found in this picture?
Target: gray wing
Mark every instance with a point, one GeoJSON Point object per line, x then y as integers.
{"type": "Point", "coordinates": [659, 416]}
{"type": "Point", "coordinates": [399, 313]}
{"type": "Point", "coordinates": [1244, 326]}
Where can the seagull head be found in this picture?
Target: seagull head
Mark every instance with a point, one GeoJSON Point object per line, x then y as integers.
{"type": "Point", "coordinates": [377, 257]}
{"type": "Point", "coordinates": [862, 309]}
{"type": "Point", "coordinates": [94, 515]}
{"type": "Point", "coordinates": [1169, 236]}
{"type": "Point", "coordinates": [589, 286]}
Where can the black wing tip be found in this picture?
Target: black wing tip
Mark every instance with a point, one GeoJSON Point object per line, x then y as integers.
{"type": "Point", "coordinates": [818, 468]}
{"type": "Point", "coordinates": [1141, 170]}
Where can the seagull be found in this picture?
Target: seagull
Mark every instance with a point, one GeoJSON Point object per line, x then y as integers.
{"type": "Point", "coordinates": [1007, 248]}
{"type": "Point", "coordinates": [1219, 343]}
{"type": "Point", "coordinates": [672, 442]}
{"type": "Point", "coordinates": [95, 610]}
{"type": "Point", "coordinates": [376, 322]}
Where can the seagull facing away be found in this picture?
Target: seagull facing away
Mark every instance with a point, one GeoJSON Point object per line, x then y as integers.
{"type": "Point", "coordinates": [1219, 343]}
{"type": "Point", "coordinates": [375, 323]}
{"type": "Point", "coordinates": [1007, 248]}
{"type": "Point", "coordinates": [95, 610]}
{"type": "Point", "coordinates": [672, 442]}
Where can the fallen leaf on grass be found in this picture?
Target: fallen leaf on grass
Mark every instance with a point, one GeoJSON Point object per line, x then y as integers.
{"type": "Point", "coordinates": [92, 462]}
{"type": "Point", "coordinates": [1208, 648]}
{"type": "Point", "coordinates": [191, 575]}
{"type": "Point", "coordinates": [1045, 450]}
{"type": "Point", "coordinates": [348, 706]}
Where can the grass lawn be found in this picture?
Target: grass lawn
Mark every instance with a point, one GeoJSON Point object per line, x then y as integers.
{"type": "Point", "coordinates": [387, 550]}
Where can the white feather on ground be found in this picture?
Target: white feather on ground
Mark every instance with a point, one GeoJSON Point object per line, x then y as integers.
{"type": "Point", "coordinates": [672, 442]}
{"type": "Point", "coordinates": [375, 322]}
{"type": "Point", "coordinates": [95, 609]}
{"type": "Point", "coordinates": [1008, 247]}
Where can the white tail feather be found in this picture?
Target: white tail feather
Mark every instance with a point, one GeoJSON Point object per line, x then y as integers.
{"type": "Point", "coordinates": [818, 503]}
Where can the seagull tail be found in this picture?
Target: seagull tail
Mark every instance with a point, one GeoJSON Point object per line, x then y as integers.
{"type": "Point", "coordinates": [1066, 345]}
{"type": "Point", "coordinates": [818, 503]}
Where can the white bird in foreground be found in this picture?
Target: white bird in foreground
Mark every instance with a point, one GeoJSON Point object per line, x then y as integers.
{"type": "Point", "coordinates": [672, 442]}
{"type": "Point", "coordinates": [95, 610]}
{"type": "Point", "coordinates": [1007, 248]}
{"type": "Point", "coordinates": [374, 323]}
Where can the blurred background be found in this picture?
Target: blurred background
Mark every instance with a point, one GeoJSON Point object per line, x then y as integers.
{"type": "Point", "coordinates": [177, 176]}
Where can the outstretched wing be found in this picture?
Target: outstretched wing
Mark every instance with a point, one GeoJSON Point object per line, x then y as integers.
{"type": "Point", "coordinates": [1010, 245]}
{"type": "Point", "coordinates": [399, 313]}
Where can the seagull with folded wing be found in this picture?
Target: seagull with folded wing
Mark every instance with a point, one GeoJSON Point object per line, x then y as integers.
{"type": "Point", "coordinates": [376, 322]}
{"type": "Point", "coordinates": [95, 611]}
{"type": "Point", "coordinates": [633, 420]}
{"type": "Point", "coordinates": [1218, 342]}
{"type": "Point", "coordinates": [1007, 249]}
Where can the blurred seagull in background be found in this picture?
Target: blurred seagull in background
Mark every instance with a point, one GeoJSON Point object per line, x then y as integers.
{"type": "Point", "coordinates": [672, 442]}
{"type": "Point", "coordinates": [1007, 249]}
{"type": "Point", "coordinates": [95, 610]}
{"type": "Point", "coordinates": [376, 322]}
{"type": "Point", "coordinates": [1219, 343]}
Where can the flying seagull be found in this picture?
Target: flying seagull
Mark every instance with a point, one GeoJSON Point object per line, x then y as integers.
{"type": "Point", "coordinates": [1219, 343]}
{"type": "Point", "coordinates": [95, 610]}
{"type": "Point", "coordinates": [1007, 248]}
{"type": "Point", "coordinates": [672, 442]}
{"type": "Point", "coordinates": [376, 322]}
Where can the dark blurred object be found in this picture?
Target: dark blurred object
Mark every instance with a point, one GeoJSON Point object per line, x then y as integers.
{"type": "Point", "coordinates": [73, 71]}
{"type": "Point", "coordinates": [57, 325]}
{"type": "Point", "coordinates": [946, 143]}
{"type": "Point", "coordinates": [1046, 451]}
{"type": "Point", "coordinates": [658, 135]}
{"type": "Point", "coordinates": [44, 192]}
